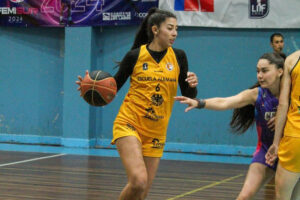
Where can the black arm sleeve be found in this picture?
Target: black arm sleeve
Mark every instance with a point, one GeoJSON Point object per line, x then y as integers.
{"type": "Point", "coordinates": [186, 90]}
{"type": "Point", "coordinates": [126, 67]}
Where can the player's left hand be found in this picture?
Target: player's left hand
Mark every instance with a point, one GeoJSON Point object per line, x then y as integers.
{"type": "Point", "coordinates": [271, 124]}
{"type": "Point", "coordinates": [271, 155]}
{"type": "Point", "coordinates": [192, 79]}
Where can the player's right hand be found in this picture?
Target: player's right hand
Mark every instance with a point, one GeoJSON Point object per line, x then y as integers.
{"type": "Point", "coordinates": [192, 103]}
{"type": "Point", "coordinates": [271, 124]}
{"type": "Point", "coordinates": [80, 80]}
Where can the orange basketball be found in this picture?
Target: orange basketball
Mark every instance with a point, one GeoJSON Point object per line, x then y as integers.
{"type": "Point", "coordinates": [98, 88]}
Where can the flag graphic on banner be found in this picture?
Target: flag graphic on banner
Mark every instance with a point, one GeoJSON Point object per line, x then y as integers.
{"type": "Point", "coordinates": [235, 13]}
{"type": "Point", "coordinates": [194, 5]}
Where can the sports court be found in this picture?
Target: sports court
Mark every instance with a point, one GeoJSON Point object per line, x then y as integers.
{"type": "Point", "coordinates": [79, 75]}
{"type": "Point", "coordinates": [60, 176]}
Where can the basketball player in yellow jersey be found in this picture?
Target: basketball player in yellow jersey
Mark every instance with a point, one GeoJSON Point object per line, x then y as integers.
{"type": "Point", "coordinates": [155, 69]}
{"type": "Point", "coordinates": [287, 183]}
{"type": "Point", "coordinates": [148, 104]}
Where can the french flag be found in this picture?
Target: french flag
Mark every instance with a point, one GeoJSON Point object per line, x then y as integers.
{"type": "Point", "coordinates": [194, 5]}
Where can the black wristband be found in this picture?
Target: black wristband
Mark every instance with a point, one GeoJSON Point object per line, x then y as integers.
{"type": "Point", "coordinates": [201, 103]}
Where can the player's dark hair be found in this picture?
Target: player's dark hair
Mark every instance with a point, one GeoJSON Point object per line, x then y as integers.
{"type": "Point", "coordinates": [275, 34]}
{"type": "Point", "coordinates": [243, 118]}
{"type": "Point", "coordinates": [145, 35]}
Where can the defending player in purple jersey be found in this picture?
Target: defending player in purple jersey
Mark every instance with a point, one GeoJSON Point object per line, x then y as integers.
{"type": "Point", "coordinates": [259, 103]}
{"type": "Point", "coordinates": [265, 109]}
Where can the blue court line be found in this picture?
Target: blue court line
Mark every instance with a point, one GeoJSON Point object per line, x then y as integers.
{"type": "Point", "coordinates": [114, 153]}
{"type": "Point", "coordinates": [196, 148]}
{"type": "Point", "coordinates": [59, 149]}
{"type": "Point", "coordinates": [105, 143]}
{"type": "Point", "coordinates": [102, 147]}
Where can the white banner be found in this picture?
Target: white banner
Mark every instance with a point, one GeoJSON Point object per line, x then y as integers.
{"type": "Point", "coordinates": [235, 13]}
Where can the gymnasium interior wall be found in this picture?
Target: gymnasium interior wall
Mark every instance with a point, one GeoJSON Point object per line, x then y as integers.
{"type": "Point", "coordinates": [40, 105]}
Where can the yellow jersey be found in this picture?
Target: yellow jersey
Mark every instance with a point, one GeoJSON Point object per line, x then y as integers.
{"type": "Point", "coordinates": [150, 98]}
{"type": "Point", "coordinates": [292, 126]}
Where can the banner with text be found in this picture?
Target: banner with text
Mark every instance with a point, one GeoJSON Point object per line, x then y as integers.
{"type": "Point", "coordinates": [108, 12]}
{"type": "Point", "coordinates": [61, 13]}
{"type": "Point", "coordinates": [235, 13]}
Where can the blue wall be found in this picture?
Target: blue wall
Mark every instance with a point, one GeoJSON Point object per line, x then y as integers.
{"type": "Point", "coordinates": [31, 81]}
{"type": "Point", "coordinates": [40, 104]}
{"type": "Point", "coordinates": [225, 62]}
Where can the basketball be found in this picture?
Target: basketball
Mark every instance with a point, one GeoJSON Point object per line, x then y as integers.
{"type": "Point", "coordinates": [98, 88]}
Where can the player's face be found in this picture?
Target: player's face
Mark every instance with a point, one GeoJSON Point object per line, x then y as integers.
{"type": "Point", "coordinates": [277, 44]}
{"type": "Point", "coordinates": [167, 32]}
{"type": "Point", "coordinates": [267, 74]}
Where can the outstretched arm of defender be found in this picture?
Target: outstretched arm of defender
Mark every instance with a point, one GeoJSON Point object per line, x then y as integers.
{"type": "Point", "coordinates": [244, 98]}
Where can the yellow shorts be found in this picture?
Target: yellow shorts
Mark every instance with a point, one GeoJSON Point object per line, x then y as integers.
{"type": "Point", "coordinates": [289, 153]}
{"type": "Point", "coordinates": [151, 146]}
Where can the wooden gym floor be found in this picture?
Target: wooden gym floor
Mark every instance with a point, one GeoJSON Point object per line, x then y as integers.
{"type": "Point", "coordinates": [37, 176]}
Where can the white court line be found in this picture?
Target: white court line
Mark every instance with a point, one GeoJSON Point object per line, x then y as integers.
{"type": "Point", "coordinates": [30, 160]}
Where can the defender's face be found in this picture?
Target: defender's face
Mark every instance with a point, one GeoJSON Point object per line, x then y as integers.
{"type": "Point", "coordinates": [267, 74]}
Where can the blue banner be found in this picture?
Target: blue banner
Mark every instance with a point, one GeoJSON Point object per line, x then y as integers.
{"type": "Point", "coordinates": [61, 13]}
{"type": "Point", "coordinates": [104, 12]}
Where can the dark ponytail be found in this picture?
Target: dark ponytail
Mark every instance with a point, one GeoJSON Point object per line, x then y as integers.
{"type": "Point", "coordinates": [145, 35]}
{"type": "Point", "coordinates": [243, 118]}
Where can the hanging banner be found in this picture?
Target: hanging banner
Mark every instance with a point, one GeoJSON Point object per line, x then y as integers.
{"type": "Point", "coordinates": [109, 12]}
{"type": "Point", "coordinates": [235, 13]}
{"type": "Point", "coordinates": [30, 12]}
{"type": "Point", "coordinates": [61, 13]}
